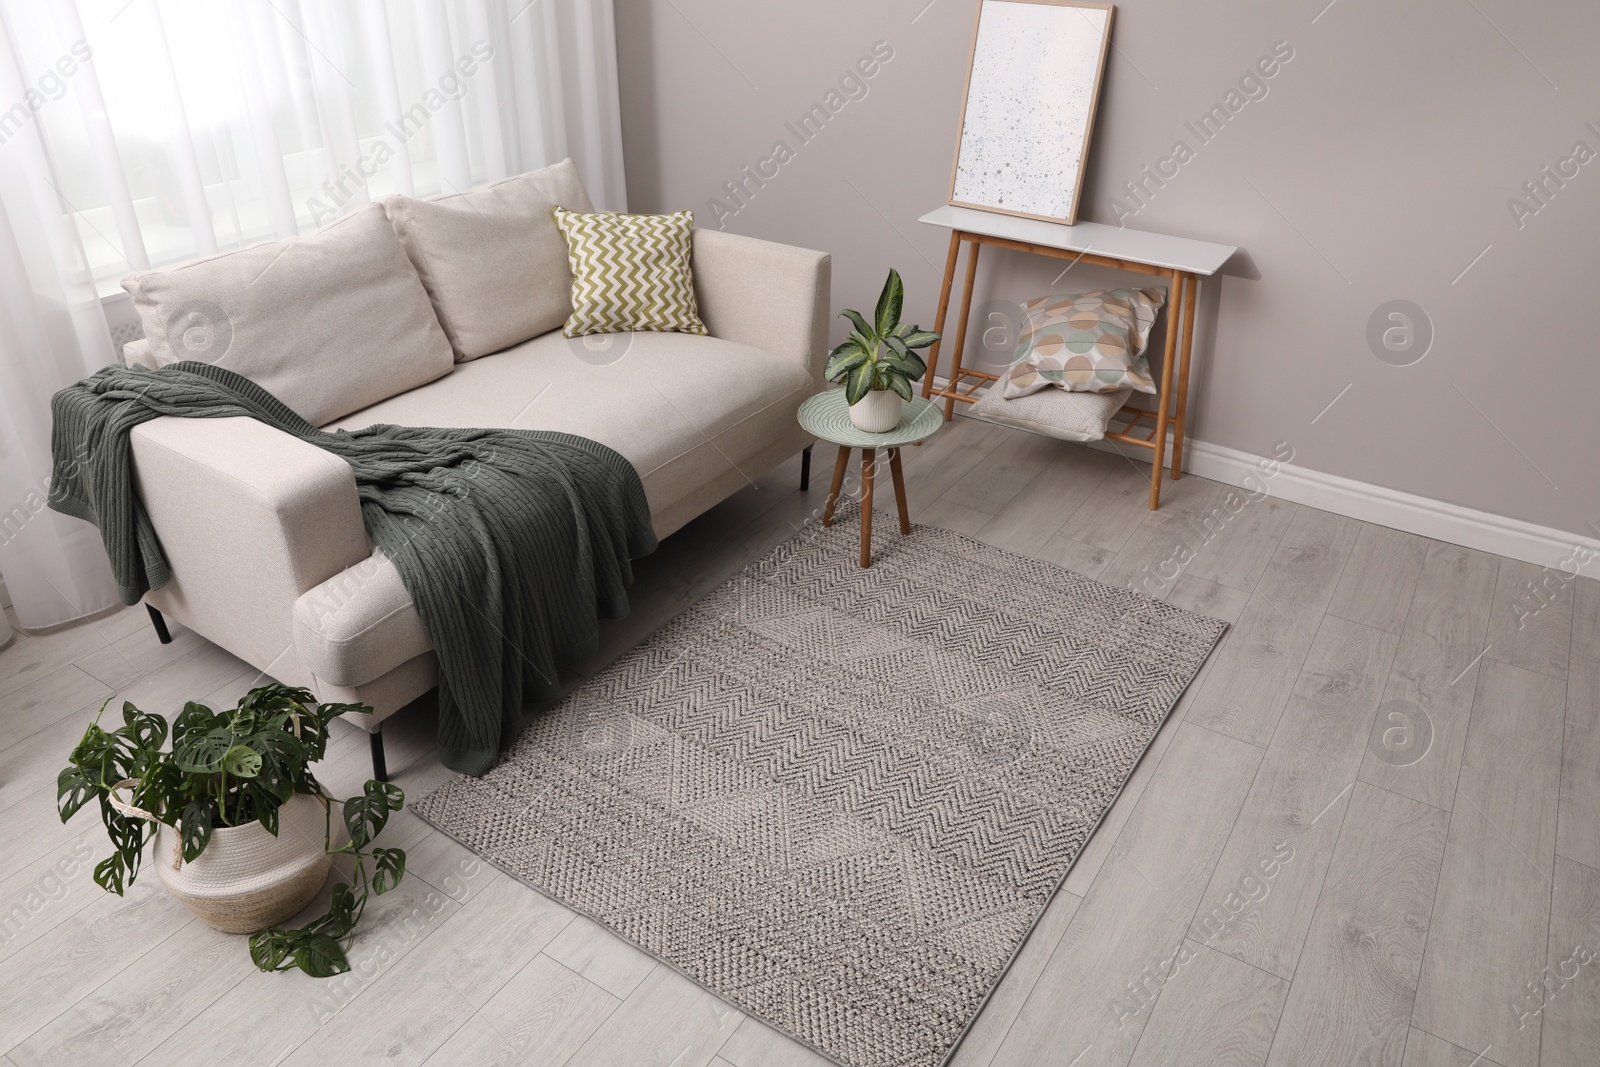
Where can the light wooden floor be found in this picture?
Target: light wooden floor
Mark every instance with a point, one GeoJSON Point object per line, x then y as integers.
{"type": "Point", "coordinates": [1271, 888]}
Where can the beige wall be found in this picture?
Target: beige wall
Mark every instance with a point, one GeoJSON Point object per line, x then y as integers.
{"type": "Point", "coordinates": [1377, 166]}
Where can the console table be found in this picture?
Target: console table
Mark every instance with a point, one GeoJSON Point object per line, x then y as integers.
{"type": "Point", "coordinates": [1178, 259]}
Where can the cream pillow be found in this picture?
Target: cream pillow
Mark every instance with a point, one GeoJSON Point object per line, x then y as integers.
{"type": "Point", "coordinates": [328, 323]}
{"type": "Point", "coordinates": [1053, 412]}
{"type": "Point", "coordinates": [136, 353]}
{"type": "Point", "coordinates": [491, 258]}
{"type": "Point", "coordinates": [630, 272]}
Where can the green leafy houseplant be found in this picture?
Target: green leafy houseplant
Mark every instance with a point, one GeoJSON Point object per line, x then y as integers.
{"type": "Point", "coordinates": [228, 769]}
{"type": "Point", "coordinates": [880, 354]}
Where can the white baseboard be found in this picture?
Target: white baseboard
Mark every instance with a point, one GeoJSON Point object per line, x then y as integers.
{"type": "Point", "coordinates": [1482, 530]}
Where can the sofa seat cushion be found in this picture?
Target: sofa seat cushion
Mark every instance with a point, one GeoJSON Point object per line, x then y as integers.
{"type": "Point", "coordinates": [684, 410]}
{"type": "Point", "coordinates": [671, 403]}
{"type": "Point", "coordinates": [328, 323]}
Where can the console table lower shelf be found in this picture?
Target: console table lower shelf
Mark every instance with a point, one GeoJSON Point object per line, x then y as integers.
{"type": "Point", "coordinates": [1179, 260]}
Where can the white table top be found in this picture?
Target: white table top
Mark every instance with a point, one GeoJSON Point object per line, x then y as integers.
{"type": "Point", "coordinates": [1117, 242]}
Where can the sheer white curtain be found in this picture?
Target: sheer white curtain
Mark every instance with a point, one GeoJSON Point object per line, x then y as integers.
{"type": "Point", "coordinates": [136, 134]}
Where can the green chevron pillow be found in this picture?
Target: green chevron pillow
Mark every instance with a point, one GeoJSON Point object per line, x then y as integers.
{"type": "Point", "coordinates": [629, 272]}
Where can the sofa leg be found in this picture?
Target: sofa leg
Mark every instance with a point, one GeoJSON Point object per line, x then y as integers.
{"type": "Point", "coordinates": [805, 469]}
{"type": "Point", "coordinates": [380, 770]}
{"type": "Point", "coordinates": [162, 634]}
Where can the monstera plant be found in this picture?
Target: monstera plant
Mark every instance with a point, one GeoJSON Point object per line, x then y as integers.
{"type": "Point", "coordinates": [244, 830]}
{"type": "Point", "coordinates": [878, 361]}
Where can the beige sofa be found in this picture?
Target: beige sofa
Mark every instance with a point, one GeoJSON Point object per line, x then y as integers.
{"type": "Point", "coordinates": [263, 531]}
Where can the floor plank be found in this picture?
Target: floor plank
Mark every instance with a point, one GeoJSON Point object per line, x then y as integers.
{"type": "Point", "coordinates": [1215, 1012]}
{"type": "Point", "coordinates": [1208, 598]}
{"type": "Point", "coordinates": [1093, 997]}
{"type": "Point", "coordinates": [942, 513]}
{"type": "Point", "coordinates": [1166, 543]}
{"type": "Point", "coordinates": [1491, 919]}
{"type": "Point", "coordinates": [32, 828]}
{"type": "Point", "coordinates": [65, 693]}
{"type": "Point", "coordinates": [667, 1020]}
{"type": "Point", "coordinates": [409, 1012]}
{"type": "Point", "coordinates": [166, 989]}
{"type": "Point", "coordinates": [755, 1044]}
{"type": "Point", "coordinates": [1262, 656]}
{"type": "Point", "coordinates": [1567, 994]}
{"type": "Point", "coordinates": [67, 1039]}
{"type": "Point", "coordinates": [1260, 901]}
{"type": "Point", "coordinates": [30, 764]}
{"type": "Point", "coordinates": [1531, 625]}
{"type": "Point", "coordinates": [31, 657]}
{"type": "Point", "coordinates": [54, 887]}
{"type": "Point", "coordinates": [1005, 472]}
{"type": "Point", "coordinates": [46, 978]}
{"type": "Point", "coordinates": [1030, 520]}
{"type": "Point", "coordinates": [602, 957]}
{"type": "Point", "coordinates": [166, 689]}
{"type": "Point", "coordinates": [1120, 503]}
{"type": "Point", "coordinates": [1436, 669]}
{"type": "Point", "coordinates": [1098, 848]}
{"type": "Point", "coordinates": [1425, 1050]}
{"type": "Point", "coordinates": [230, 1030]}
{"type": "Point", "coordinates": [1248, 531]}
{"type": "Point", "coordinates": [1352, 998]}
{"type": "Point", "coordinates": [983, 1040]}
{"type": "Point", "coordinates": [1087, 560]}
{"type": "Point", "coordinates": [544, 1014]}
{"type": "Point", "coordinates": [1578, 835]}
{"type": "Point", "coordinates": [1380, 578]}
{"type": "Point", "coordinates": [942, 461]}
{"type": "Point", "coordinates": [126, 660]}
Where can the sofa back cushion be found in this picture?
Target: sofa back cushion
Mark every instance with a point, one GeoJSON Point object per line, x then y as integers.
{"type": "Point", "coordinates": [492, 259]}
{"type": "Point", "coordinates": [328, 323]}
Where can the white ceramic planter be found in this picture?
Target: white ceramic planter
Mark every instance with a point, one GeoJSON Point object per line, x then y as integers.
{"type": "Point", "coordinates": [246, 879]}
{"type": "Point", "coordinates": [877, 412]}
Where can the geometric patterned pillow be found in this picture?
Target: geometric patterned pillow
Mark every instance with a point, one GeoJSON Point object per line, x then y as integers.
{"type": "Point", "coordinates": [629, 272]}
{"type": "Point", "coordinates": [1088, 343]}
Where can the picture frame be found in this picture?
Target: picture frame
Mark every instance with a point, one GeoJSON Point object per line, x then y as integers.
{"type": "Point", "coordinates": [1028, 111]}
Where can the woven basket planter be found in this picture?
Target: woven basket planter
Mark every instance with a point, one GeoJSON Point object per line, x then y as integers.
{"type": "Point", "coordinates": [247, 879]}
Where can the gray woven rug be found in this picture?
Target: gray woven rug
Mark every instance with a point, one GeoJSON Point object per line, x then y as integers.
{"type": "Point", "coordinates": [841, 798]}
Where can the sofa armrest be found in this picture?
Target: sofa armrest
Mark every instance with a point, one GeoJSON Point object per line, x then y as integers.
{"type": "Point", "coordinates": [249, 517]}
{"type": "Point", "coordinates": [770, 296]}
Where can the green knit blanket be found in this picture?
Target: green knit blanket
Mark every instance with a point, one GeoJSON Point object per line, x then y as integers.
{"type": "Point", "coordinates": [512, 543]}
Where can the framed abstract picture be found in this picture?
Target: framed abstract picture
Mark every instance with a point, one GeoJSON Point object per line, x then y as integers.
{"type": "Point", "coordinates": [1032, 88]}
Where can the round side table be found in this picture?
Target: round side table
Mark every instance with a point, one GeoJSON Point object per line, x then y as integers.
{"type": "Point", "coordinates": [827, 417]}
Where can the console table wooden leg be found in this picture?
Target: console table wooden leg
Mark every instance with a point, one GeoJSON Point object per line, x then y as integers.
{"type": "Point", "coordinates": [944, 306]}
{"type": "Point", "coordinates": [1164, 399]}
{"type": "Point", "coordinates": [953, 382]}
{"type": "Point", "coordinates": [1191, 297]}
{"type": "Point", "coordinates": [868, 460]}
{"type": "Point", "coordinates": [899, 489]}
{"type": "Point", "coordinates": [839, 467]}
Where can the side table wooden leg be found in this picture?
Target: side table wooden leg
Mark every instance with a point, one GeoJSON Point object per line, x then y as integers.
{"type": "Point", "coordinates": [868, 461]}
{"type": "Point", "coordinates": [899, 489]}
{"type": "Point", "coordinates": [839, 467]}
